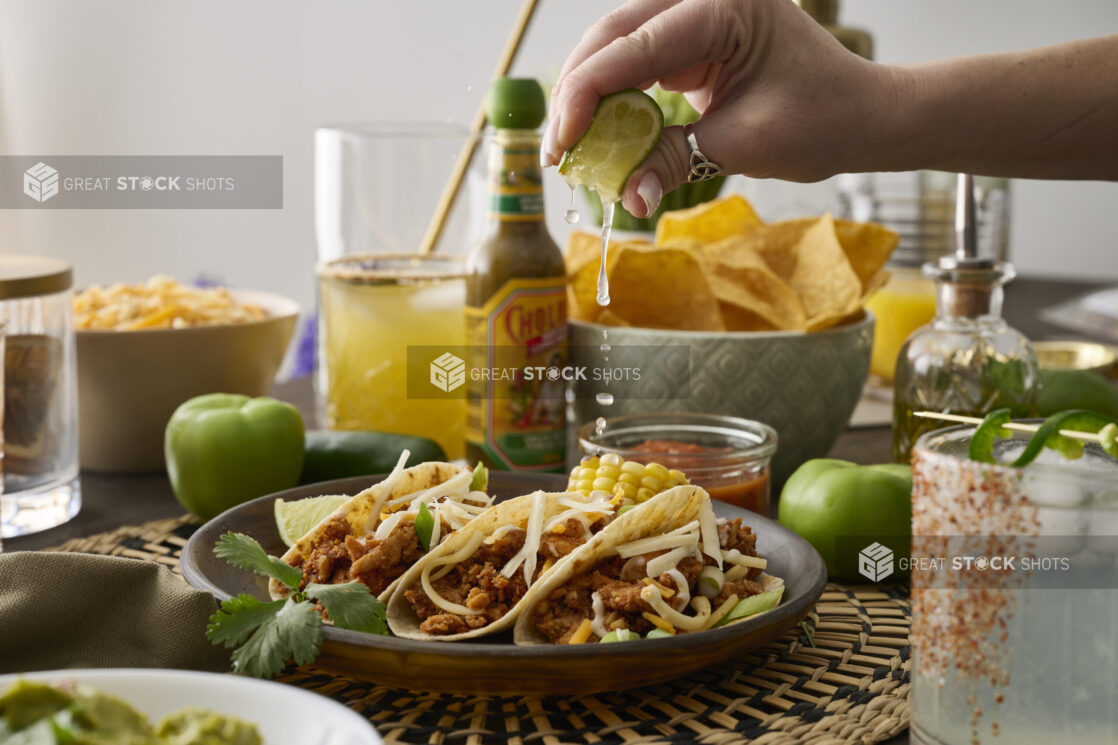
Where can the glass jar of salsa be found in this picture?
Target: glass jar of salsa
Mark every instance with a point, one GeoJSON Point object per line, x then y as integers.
{"type": "Point", "coordinates": [727, 456]}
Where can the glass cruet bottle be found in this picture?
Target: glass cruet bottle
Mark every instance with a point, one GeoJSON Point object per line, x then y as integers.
{"type": "Point", "coordinates": [968, 360]}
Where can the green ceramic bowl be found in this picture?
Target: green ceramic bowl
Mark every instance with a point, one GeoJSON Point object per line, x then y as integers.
{"type": "Point", "coordinates": [804, 385]}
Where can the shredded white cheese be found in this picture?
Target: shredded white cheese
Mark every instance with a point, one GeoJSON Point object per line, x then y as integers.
{"type": "Point", "coordinates": [437, 527]}
{"type": "Point", "coordinates": [578, 503]}
{"type": "Point", "coordinates": [700, 605]}
{"type": "Point", "coordinates": [455, 487]}
{"type": "Point", "coordinates": [598, 626]}
{"type": "Point", "coordinates": [683, 591]}
{"type": "Point", "coordinates": [657, 543]}
{"type": "Point", "coordinates": [666, 562]}
{"type": "Point", "coordinates": [388, 526]}
{"type": "Point", "coordinates": [709, 530]}
{"type": "Point", "coordinates": [385, 488]}
{"type": "Point", "coordinates": [527, 554]}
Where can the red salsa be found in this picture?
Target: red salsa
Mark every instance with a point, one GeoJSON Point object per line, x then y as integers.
{"type": "Point", "coordinates": [740, 481]}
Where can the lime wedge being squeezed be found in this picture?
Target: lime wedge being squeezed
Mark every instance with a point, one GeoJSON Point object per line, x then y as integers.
{"type": "Point", "coordinates": [625, 127]}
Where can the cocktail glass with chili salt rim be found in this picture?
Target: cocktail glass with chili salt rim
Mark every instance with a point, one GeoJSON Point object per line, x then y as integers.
{"type": "Point", "coordinates": [1014, 595]}
{"type": "Point", "coordinates": [727, 456]}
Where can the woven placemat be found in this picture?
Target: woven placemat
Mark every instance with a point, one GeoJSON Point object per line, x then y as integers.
{"type": "Point", "coordinates": [842, 680]}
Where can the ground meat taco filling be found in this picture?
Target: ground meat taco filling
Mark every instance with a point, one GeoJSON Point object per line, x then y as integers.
{"type": "Point", "coordinates": [393, 544]}
{"type": "Point", "coordinates": [615, 594]}
{"type": "Point", "coordinates": [340, 557]}
{"type": "Point", "coordinates": [489, 582]}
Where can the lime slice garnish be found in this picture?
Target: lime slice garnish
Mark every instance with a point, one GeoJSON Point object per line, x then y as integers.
{"type": "Point", "coordinates": [295, 519]}
{"type": "Point", "coordinates": [625, 128]}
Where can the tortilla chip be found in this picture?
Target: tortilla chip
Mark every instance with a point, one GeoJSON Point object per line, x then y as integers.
{"type": "Point", "coordinates": [807, 273]}
{"type": "Point", "coordinates": [823, 278]}
{"type": "Point", "coordinates": [662, 288]}
{"type": "Point", "coordinates": [867, 247]}
{"type": "Point", "coordinates": [776, 244]}
{"type": "Point", "coordinates": [709, 222]}
{"type": "Point", "coordinates": [737, 318]}
{"type": "Point", "coordinates": [608, 318]}
{"type": "Point", "coordinates": [584, 257]}
{"type": "Point", "coordinates": [806, 253]}
{"type": "Point", "coordinates": [582, 248]}
{"type": "Point", "coordinates": [751, 297]}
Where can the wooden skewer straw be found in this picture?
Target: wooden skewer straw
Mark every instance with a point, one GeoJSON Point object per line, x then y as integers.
{"type": "Point", "coordinates": [466, 154]}
{"type": "Point", "coordinates": [1016, 426]}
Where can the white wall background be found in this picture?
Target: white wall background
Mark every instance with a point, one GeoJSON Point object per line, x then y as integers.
{"type": "Point", "coordinates": [257, 76]}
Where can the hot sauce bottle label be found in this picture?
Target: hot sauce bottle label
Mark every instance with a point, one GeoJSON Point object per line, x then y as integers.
{"type": "Point", "coordinates": [516, 404]}
{"type": "Point", "coordinates": [515, 184]}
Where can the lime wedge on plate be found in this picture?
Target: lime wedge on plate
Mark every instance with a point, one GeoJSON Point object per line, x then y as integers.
{"type": "Point", "coordinates": [295, 519]}
{"type": "Point", "coordinates": [625, 128]}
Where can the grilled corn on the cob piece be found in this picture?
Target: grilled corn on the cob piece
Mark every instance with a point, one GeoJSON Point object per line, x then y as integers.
{"type": "Point", "coordinates": [628, 481]}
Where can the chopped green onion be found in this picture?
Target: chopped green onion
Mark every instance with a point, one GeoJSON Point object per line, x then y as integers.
{"type": "Point", "coordinates": [480, 481]}
{"type": "Point", "coordinates": [658, 633]}
{"type": "Point", "coordinates": [625, 508]}
{"type": "Point", "coordinates": [752, 605]}
{"type": "Point", "coordinates": [710, 582]}
{"type": "Point", "coordinates": [424, 526]}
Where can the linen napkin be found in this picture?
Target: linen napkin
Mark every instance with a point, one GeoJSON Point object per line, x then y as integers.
{"type": "Point", "coordinates": [68, 610]}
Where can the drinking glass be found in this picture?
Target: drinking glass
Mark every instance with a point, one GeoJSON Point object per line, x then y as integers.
{"type": "Point", "coordinates": [1013, 632]}
{"type": "Point", "coordinates": [371, 309]}
{"type": "Point", "coordinates": [41, 484]}
{"type": "Point", "coordinates": [1, 426]}
{"type": "Point", "coordinates": [377, 187]}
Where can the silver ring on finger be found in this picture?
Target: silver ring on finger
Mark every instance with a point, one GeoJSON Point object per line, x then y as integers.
{"type": "Point", "coordinates": [701, 168]}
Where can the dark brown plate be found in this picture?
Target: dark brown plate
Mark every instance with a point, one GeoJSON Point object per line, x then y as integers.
{"type": "Point", "coordinates": [496, 665]}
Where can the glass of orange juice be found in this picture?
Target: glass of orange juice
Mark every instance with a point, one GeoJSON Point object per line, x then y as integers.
{"type": "Point", "coordinates": [904, 304]}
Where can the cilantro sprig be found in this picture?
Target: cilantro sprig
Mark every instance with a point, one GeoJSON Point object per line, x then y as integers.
{"type": "Point", "coordinates": [268, 635]}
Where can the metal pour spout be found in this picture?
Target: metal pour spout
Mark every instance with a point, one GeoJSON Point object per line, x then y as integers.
{"type": "Point", "coordinates": [966, 233]}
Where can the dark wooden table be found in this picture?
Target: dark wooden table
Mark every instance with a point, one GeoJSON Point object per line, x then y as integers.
{"type": "Point", "coordinates": [111, 501]}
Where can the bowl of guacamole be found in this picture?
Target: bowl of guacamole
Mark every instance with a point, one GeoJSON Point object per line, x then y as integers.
{"type": "Point", "coordinates": [169, 707]}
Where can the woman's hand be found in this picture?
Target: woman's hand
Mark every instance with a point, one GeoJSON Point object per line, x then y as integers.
{"type": "Point", "coordinates": [779, 96]}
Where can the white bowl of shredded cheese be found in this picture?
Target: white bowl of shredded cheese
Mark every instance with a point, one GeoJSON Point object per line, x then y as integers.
{"type": "Point", "coordinates": [139, 361]}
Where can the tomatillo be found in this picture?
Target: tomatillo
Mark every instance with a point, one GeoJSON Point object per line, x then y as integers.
{"type": "Point", "coordinates": [224, 449]}
{"type": "Point", "coordinates": [841, 508]}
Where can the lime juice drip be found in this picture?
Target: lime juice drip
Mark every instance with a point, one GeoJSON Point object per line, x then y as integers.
{"type": "Point", "coordinates": [572, 215]}
{"type": "Point", "coordinates": [607, 227]}
{"type": "Point", "coordinates": [604, 398]}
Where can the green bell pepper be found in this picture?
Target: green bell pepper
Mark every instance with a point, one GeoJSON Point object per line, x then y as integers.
{"type": "Point", "coordinates": [840, 508]}
{"type": "Point", "coordinates": [223, 449]}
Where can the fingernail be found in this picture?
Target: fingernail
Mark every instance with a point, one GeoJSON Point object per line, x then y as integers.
{"type": "Point", "coordinates": [650, 191]}
{"type": "Point", "coordinates": [548, 156]}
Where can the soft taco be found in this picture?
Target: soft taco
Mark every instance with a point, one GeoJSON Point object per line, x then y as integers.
{"type": "Point", "coordinates": [474, 583]}
{"type": "Point", "coordinates": [669, 565]}
{"type": "Point", "coordinates": [383, 531]}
